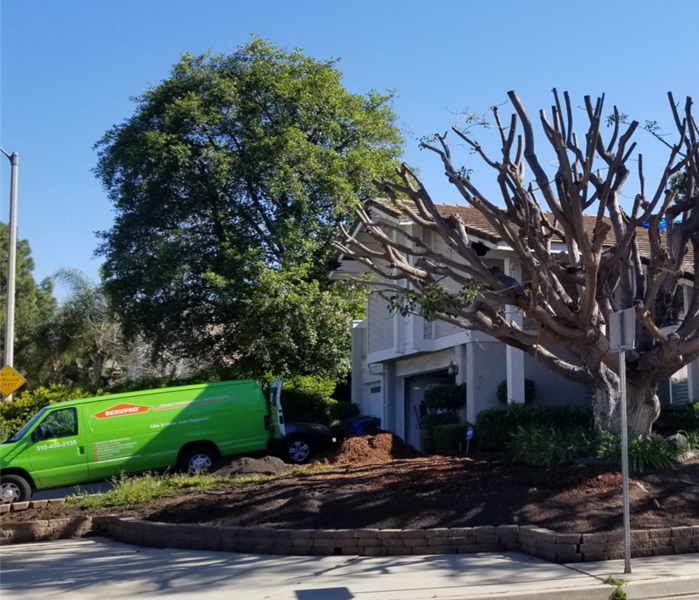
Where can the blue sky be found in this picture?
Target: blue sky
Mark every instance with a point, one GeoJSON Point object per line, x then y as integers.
{"type": "Point", "coordinates": [69, 67]}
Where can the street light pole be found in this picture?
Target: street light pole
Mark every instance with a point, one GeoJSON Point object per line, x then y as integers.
{"type": "Point", "coordinates": [11, 263]}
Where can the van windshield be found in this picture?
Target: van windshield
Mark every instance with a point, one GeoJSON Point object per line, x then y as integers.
{"type": "Point", "coordinates": [20, 434]}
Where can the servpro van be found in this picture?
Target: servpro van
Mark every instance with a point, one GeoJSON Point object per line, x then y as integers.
{"type": "Point", "coordinates": [96, 438]}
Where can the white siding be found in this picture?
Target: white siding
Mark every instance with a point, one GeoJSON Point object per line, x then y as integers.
{"type": "Point", "coordinates": [443, 329]}
{"type": "Point", "coordinates": [680, 386]}
{"type": "Point", "coordinates": [372, 404]}
{"type": "Point", "coordinates": [380, 324]}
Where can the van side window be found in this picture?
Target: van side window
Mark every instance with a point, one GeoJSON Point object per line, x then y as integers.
{"type": "Point", "coordinates": [59, 423]}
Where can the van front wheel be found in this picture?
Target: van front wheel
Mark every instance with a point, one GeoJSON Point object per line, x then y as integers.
{"type": "Point", "coordinates": [197, 459]}
{"type": "Point", "coordinates": [14, 488]}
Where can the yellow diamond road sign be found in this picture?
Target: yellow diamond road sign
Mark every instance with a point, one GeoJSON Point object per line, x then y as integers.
{"type": "Point", "coordinates": [10, 381]}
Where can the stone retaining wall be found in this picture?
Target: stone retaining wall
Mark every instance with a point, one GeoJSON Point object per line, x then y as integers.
{"type": "Point", "coordinates": [41, 531]}
{"type": "Point", "coordinates": [536, 541]}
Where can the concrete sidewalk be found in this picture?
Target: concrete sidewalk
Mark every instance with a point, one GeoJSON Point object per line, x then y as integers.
{"type": "Point", "coordinates": [101, 568]}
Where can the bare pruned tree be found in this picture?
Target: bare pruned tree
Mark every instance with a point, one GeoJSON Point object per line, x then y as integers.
{"type": "Point", "coordinates": [582, 255]}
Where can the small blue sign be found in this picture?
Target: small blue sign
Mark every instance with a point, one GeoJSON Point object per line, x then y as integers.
{"type": "Point", "coordinates": [469, 433]}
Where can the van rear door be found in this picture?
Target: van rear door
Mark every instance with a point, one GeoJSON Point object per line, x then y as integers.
{"type": "Point", "coordinates": [56, 448]}
{"type": "Point", "coordinates": [275, 409]}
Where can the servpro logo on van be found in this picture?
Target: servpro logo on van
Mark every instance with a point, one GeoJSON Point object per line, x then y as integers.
{"type": "Point", "coordinates": [122, 409]}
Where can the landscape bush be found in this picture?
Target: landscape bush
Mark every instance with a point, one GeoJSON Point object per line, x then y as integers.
{"type": "Point", "coordinates": [548, 445]}
{"type": "Point", "coordinates": [677, 417]}
{"type": "Point", "coordinates": [644, 451]}
{"type": "Point", "coordinates": [496, 427]}
{"type": "Point", "coordinates": [429, 423]}
{"type": "Point", "coordinates": [450, 397]}
{"type": "Point", "coordinates": [449, 440]}
{"type": "Point", "coordinates": [14, 414]}
{"type": "Point", "coordinates": [529, 391]}
{"type": "Point", "coordinates": [309, 400]}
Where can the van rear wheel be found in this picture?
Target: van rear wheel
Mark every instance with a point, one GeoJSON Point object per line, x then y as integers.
{"type": "Point", "coordinates": [297, 450]}
{"type": "Point", "coordinates": [198, 459]}
{"type": "Point", "coordinates": [14, 488]}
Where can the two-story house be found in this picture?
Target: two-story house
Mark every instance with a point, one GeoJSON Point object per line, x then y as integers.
{"type": "Point", "coordinates": [396, 358]}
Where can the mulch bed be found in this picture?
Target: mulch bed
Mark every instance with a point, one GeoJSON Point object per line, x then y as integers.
{"type": "Point", "coordinates": [374, 481]}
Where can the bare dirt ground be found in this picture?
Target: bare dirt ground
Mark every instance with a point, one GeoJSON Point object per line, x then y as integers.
{"type": "Point", "coordinates": [377, 481]}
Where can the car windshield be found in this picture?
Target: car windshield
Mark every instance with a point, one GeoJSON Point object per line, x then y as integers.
{"type": "Point", "coordinates": [20, 434]}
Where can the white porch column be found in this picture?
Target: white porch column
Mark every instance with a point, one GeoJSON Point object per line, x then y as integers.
{"type": "Point", "coordinates": [388, 384]}
{"type": "Point", "coordinates": [515, 358]}
{"type": "Point", "coordinates": [470, 381]}
{"type": "Point", "coordinates": [460, 359]}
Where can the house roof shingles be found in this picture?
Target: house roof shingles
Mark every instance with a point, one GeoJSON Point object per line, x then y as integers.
{"type": "Point", "coordinates": [479, 226]}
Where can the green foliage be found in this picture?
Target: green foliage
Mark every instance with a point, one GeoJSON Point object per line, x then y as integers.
{"type": "Point", "coordinates": [547, 446]}
{"type": "Point", "coordinates": [692, 438]}
{"type": "Point", "coordinates": [618, 593]}
{"type": "Point", "coordinates": [434, 419]}
{"type": "Point", "coordinates": [496, 427]}
{"type": "Point", "coordinates": [449, 440]}
{"type": "Point", "coordinates": [644, 451]}
{"type": "Point", "coordinates": [442, 403]}
{"type": "Point", "coordinates": [228, 183]}
{"type": "Point", "coordinates": [210, 375]}
{"type": "Point", "coordinates": [676, 417]}
{"type": "Point", "coordinates": [300, 326]}
{"type": "Point", "coordinates": [529, 391]}
{"type": "Point", "coordinates": [309, 400]}
{"type": "Point", "coordinates": [14, 414]}
{"type": "Point", "coordinates": [445, 397]}
{"type": "Point", "coordinates": [34, 306]}
{"type": "Point", "coordinates": [429, 423]}
{"type": "Point", "coordinates": [434, 299]}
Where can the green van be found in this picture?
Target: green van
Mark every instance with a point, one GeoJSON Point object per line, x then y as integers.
{"type": "Point", "coordinates": [95, 438]}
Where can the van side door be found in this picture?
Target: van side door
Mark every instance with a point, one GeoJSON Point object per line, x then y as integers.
{"type": "Point", "coordinates": [57, 448]}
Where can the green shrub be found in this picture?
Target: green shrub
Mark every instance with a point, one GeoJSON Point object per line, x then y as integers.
{"type": "Point", "coordinates": [449, 440]}
{"type": "Point", "coordinates": [692, 438]}
{"type": "Point", "coordinates": [309, 400]}
{"type": "Point", "coordinates": [546, 445]}
{"type": "Point", "coordinates": [496, 427]}
{"type": "Point", "coordinates": [677, 417]}
{"type": "Point", "coordinates": [644, 450]}
{"type": "Point", "coordinates": [430, 422]}
{"type": "Point", "coordinates": [14, 414]}
{"type": "Point", "coordinates": [529, 391]}
{"type": "Point", "coordinates": [445, 397]}
{"type": "Point", "coordinates": [342, 410]}
{"type": "Point", "coordinates": [436, 419]}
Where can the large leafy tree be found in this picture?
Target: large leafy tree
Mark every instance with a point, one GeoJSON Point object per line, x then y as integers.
{"type": "Point", "coordinates": [583, 256]}
{"type": "Point", "coordinates": [34, 307]}
{"type": "Point", "coordinates": [227, 183]}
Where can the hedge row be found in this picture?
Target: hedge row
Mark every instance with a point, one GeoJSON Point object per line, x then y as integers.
{"type": "Point", "coordinates": [495, 427]}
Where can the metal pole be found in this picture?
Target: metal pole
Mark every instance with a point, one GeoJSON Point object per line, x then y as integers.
{"type": "Point", "coordinates": [625, 463]}
{"type": "Point", "coordinates": [11, 266]}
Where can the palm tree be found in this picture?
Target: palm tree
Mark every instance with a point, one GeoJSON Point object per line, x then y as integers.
{"type": "Point", "coordinates": [84, 325]}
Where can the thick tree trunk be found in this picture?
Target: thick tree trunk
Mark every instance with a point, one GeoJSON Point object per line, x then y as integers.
{"type": "Point", "coordinates": [643, 406]}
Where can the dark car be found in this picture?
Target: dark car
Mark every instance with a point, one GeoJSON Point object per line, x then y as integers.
{"type": "Point", "coordinates": [303, 440]}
